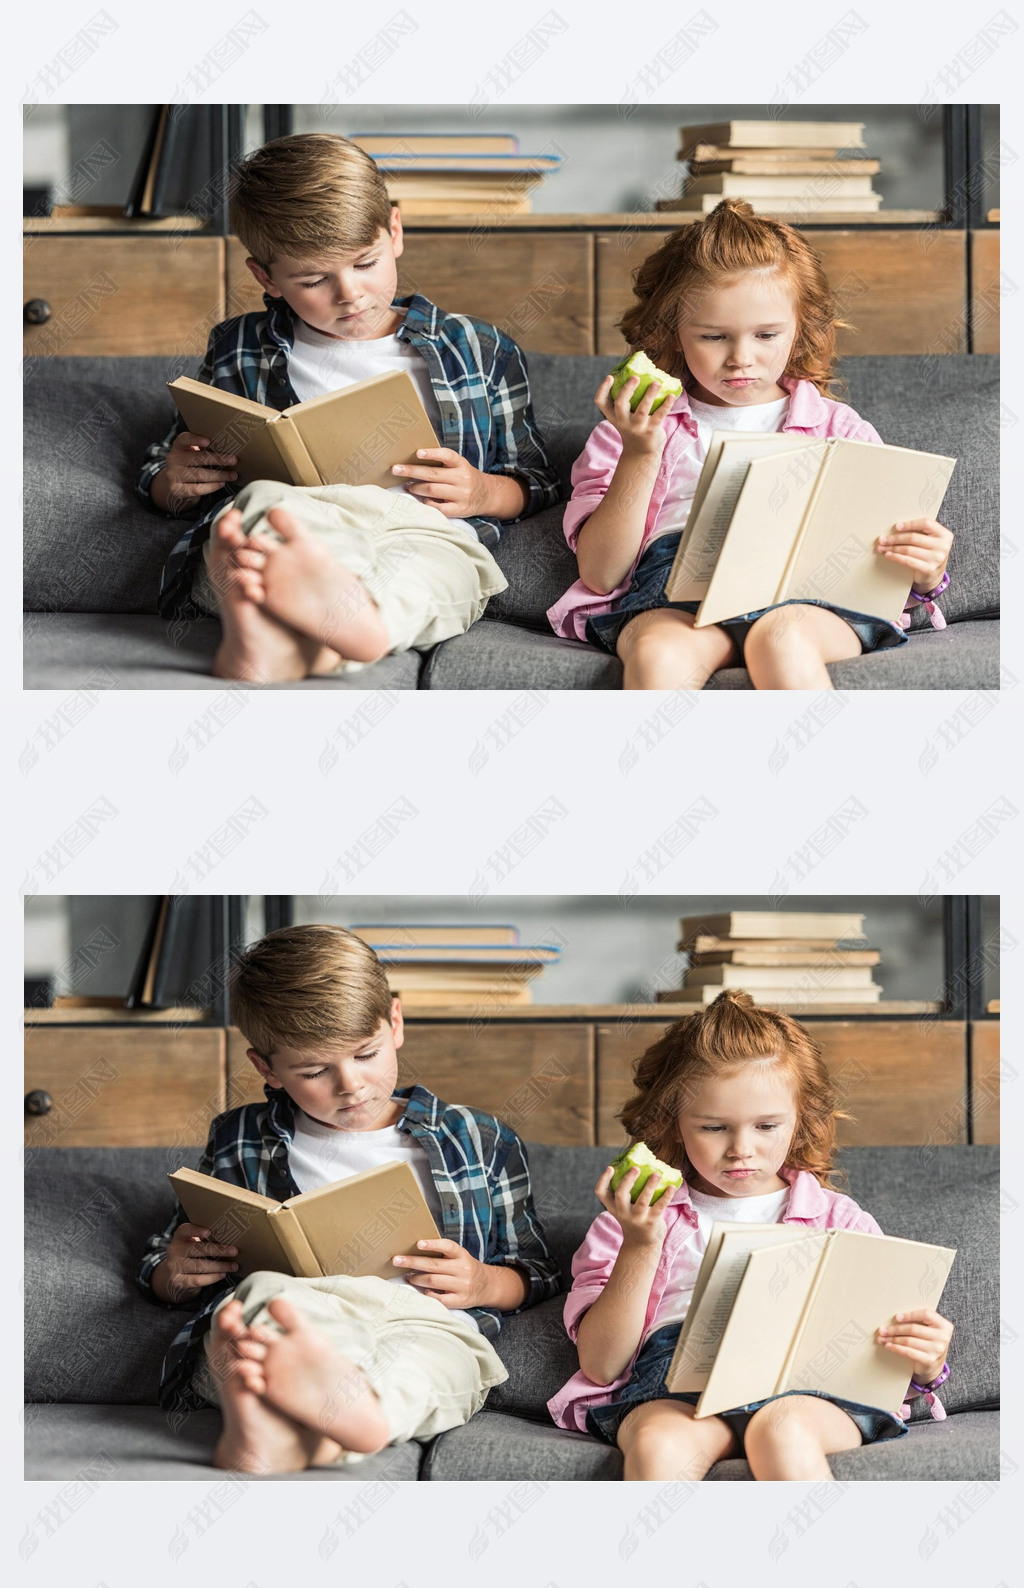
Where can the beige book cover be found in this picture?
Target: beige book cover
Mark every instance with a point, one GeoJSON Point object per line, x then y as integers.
{"type": "Point", "coordinates": [796, 996]}
{"type": "Point", "coordinates": [481, 998]}
{"type": "Point", "coordinates": [832, 185]}
{"type": "Point", "coordinates": [803, 1316]}
{"type": "Point", "coordinates": [802, 523]}
{"type": "Point", "coordinates": [765, 204]}
{"type": "Point", "coordinates": [773, 163]}
{"type": "Point", "coordinates": [425, 936]}
{"type": "Point", "coordinates": [750, 976]}
{"type": "Point", "coordinates": [354, 1226]}
{"type": "Point", "coordinates": [709, 943]}
{"type": "Point", "coordinates": [782, 955]}
{"type": "Point", "coordinates": [775, 134]}
{"type": "Point", "coordinates": [348, 437]}
{"type": "Point", "coordinates": [783, 924]}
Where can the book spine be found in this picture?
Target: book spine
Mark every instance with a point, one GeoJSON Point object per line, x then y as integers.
{"type": "Point", "coordinates": [294, 1244]}
{"type": "Point", "coordinates": [798, 538]}
{"type": "Point", "coordinates": [293, 452]}
{"type": "Point", "coordinates": [798, 1332]}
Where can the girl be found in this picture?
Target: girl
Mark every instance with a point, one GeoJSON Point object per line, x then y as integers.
{"type": "Point", "coordinates": [739, 308]}
{"type": "Point", "coordinates": [739, 1099]}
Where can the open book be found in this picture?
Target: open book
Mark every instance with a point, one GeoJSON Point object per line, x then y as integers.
{"type": "Point", "coordinates": [355, 1226]}
{"type": "Point", "coordinates": [785, 517]}
{"type": "Point", "coordinates": [349, 437]}
{"type": "Point", "coordinates": [777, 1308]}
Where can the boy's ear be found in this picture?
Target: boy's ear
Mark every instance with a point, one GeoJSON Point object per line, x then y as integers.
{"type": "Point", "coordinates": [260, 1064]}
{"type": "Point", "coordinates": [397, 1022]}
{"type": "Point", "coordinates": [262, 277]}
{"type": "Point", "coordinates": [395, 229]}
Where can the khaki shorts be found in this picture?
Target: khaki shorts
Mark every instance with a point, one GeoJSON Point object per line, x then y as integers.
{"type": "Point", "coordinates": [430, 1370]}
{"type": "Point", "coordinates": [429, 578]}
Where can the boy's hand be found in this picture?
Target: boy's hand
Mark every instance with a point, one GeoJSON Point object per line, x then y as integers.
{"type": "Point", "coordinates": [191, 472]}
{"type": "Point", "coordinates": [193, 1261]}
{"type": "Point", "coordinates": [642, 1224]}
{"type": "Point", "coordinates": [447, 1272]}
{"type": "Point", "coordinates": [922, 1337]}
{"type": "Point", "coordinates": [921, 545]}
{"type": "Point", "coordinates": [643, 433]}
{"type": "Point", "coordinates": [446, 481]}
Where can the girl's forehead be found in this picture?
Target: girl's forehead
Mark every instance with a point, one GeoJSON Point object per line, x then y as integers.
{"type": "Point", "coordinates": [761, 287]}
{"type": "Point", "coordinates": [755, 1083]}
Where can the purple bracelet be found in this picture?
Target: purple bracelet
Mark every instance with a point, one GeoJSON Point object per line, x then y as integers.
{"type": "Point", "coordinates": [922, 1389]}
{"type": "Point", "coordinates": [928, 600]}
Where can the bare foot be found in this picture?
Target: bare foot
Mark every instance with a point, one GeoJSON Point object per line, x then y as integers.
{"type": "Point", "coordinates": [256, 647]}
{"type": "Point", "coordinates": [311, 1382]}
{"type": "Point", "coordinates": [256, 1438]}
{"type": "Point", "coordinates": [306, 588]}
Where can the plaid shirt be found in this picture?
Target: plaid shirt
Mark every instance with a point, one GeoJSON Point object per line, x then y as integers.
{"type": "Point", "coordinates": [479, 1168]}
{"type": "Point", "coordinates": [479, 379]}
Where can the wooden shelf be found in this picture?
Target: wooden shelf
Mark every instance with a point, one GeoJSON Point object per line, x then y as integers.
{"type": "Point", "coordinates": [115, 1017]}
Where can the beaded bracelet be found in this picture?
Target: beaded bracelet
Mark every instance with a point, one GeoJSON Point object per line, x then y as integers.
{"type": "Point", "coordinates": [928, 599]}
{"type": "Point", "coordinates": [941, 1377]}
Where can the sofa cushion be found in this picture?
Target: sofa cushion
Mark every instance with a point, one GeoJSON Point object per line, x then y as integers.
{"type": "Point", "coordinates": [95, 1207]}
{"type": "Point", "coordinates": [964, 1448]}
{"type": "Point", "coordinates": [128, 650]}
{"type": "Point", "coordinates": [945, 1195]}
{"type": "Point", "coordinates": [92, 546]}
{"type": "Point", "coordinates": [122, 1442]}
{"type": "Point", "coordinates": [505, 656]}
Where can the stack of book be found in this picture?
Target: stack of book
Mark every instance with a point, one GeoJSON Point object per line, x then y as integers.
{"type": "Point", "coordinates": [458, 173]}
{"type": "Point", "coordinates": [431, 967]}
{"type": "Point", "coordinates": [778, 167]}
{"type": "Point", "coordinates": [785, 960]}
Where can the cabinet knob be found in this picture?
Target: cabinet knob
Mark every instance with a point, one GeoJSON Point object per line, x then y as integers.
{"type": "Point", "coordinates": [38, 1102]}
{"type": "Point", "coordinates": [37, 311]}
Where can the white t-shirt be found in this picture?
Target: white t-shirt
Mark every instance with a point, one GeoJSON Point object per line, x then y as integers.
{"type": "Point", "coordinates": [675, 509]}
{"type": "Point", "coordinates": [686, 1260]}
{"type": "Point", "coordinates": [320, 1155]}
{"type": "Point", "coordinates": [319, 364]}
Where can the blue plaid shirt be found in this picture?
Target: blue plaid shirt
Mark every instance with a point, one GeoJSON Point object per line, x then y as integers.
{"type": "Point", "coordinates": [478, 376]}
{"type": "Point", "coordinates": [479, 1168]}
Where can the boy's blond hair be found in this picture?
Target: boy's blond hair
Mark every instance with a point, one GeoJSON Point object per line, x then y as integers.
{"type": "Point", "coordinates": [310, 195]}
{"type": "Point", "coordinates": [308, 986]}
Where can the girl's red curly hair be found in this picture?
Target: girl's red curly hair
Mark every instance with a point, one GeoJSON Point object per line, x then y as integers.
{"type": "Point", "coordinates": [709, 252]}
{"type": "Point", "coordinates": [728, 1035]}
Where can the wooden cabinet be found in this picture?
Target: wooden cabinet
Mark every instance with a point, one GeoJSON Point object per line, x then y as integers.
{"type": "Point", "coordinates": [112, 1087]}
{"type": "Point", "coordinates": [557, 1076]}
{"type": "Point", "coordinates": [985, 291]}
{"type": "Point", "coordinates": [902, 291]}
{"type": "Point", "coordinates": [985, 1078]}
{"type": "Point", "coordinates": [538, 1078]}
{"type": "Point", "coordinates": [902, 1081]}
{"type": "Point", "coordinates": [557, 284]}
{"type": "Point", "coordinates": [123, 295]}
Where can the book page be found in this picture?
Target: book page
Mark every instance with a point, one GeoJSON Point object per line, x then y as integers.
{"type": "Point", "coordinates": [765, 1315]}
{"type": "Point", "coordinates": [865, 1280]}
{"type": "Point", "coordinates": [357, 1225]}
{"type": "Point", "coordinates": [865, 490]}
{"type": "Point", "coordinates": [234, 425]}
{"type": "Point", "coordinates": [354, 435]}
{"type": "Point", "coordinates": [761, 537]}
{"type": "Point", "coordinates": [718, 489]}
{"type": "Point", "coordinates": [717, 1283]}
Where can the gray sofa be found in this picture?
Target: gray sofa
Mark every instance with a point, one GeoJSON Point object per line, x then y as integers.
{"type": "Point", "coordinates": [93, 552]}
{"type": "Point", "coordinates": [94, 1343]}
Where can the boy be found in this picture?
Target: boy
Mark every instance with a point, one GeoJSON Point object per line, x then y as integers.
{"type": "Point", "coordinates": [309, 580]}
{"type": "Point", "coordinates": [308, 1372]}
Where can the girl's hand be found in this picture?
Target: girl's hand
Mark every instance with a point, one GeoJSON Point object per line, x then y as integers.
{"type": "Point", "coordinates": [642, 1224]}
{"type": "Point", "coordinates": [921, 545]}
{"type": "Point", "coordinates": [922, 1337]}
{"type": "Point", "coordinates": [643, 433]}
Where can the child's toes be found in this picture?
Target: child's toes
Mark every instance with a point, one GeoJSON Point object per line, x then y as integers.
{"type": "Point", "coordinates": [250, 556]}
{"type": "Point", "coordinates": [229, 528]}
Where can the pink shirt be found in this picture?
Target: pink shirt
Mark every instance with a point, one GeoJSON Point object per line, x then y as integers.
{"type": "Point", "coordinates": [809, 414]}
{"type": "Point", "coordinates": [810, 1204]}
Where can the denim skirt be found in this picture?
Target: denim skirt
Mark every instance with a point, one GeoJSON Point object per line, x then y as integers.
{"type": "Point", "coordinates": [647, 592]}
{"type": "Point", "coordinates": [647, 1383]}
